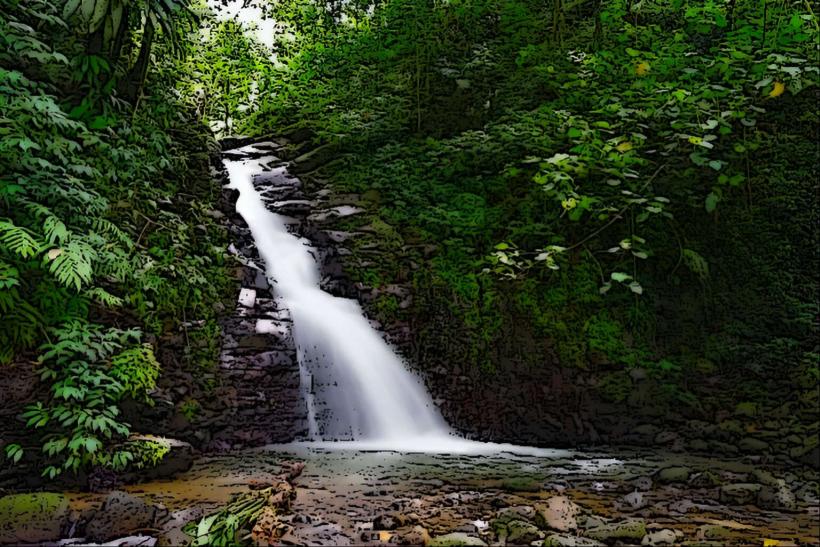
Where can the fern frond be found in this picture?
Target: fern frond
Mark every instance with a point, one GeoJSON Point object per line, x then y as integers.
{"type": "Point", "coordinates": [20, 322]}
{"type": "Point", "coordinates": [19, 240]}
{"type": "Point", "coordinates": [98, 294]}
{"type": "Point", "coordinates": [106, 227]}
{"type": "Point", "coordinates": [9, 276]}
{"type": "Point", "coordinates": [71, 264]}
{"type": "Point", "coordinates": [137, 369]}
{"type": "Point", "coordinates": [54, 229]}
{"type": "Point", "coordinates": [114, 264]}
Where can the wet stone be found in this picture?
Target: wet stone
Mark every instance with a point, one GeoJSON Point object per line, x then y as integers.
{"type": "Point", "coordinates": [294, 207]}
{"type": "Point", "coordinates": [247, 297]}
{"type": "Point", "coordinates": [739, 494]}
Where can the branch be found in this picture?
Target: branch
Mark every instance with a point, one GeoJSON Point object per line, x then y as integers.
{"type": "Point", "coordinates": [620, 213]}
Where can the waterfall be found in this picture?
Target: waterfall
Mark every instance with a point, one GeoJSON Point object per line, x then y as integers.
{"type": "Point", "coordinates": [355, 386]}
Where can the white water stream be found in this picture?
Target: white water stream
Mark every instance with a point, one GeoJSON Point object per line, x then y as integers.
{"type": "Point", "coordinates": [355, 386]}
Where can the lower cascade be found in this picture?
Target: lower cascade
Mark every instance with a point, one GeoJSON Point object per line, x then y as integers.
{"type": "Point", "coordinates": [356, 388]}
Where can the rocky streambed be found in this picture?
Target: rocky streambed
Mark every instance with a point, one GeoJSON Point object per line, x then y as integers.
{"type": "Point", "coordinates": [349, 497]}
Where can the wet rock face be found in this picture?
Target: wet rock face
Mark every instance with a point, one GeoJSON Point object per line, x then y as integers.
{"type": "Point", "coordinates": [259, 373]}
{"type": "Point", "coordinates": [258, 399]}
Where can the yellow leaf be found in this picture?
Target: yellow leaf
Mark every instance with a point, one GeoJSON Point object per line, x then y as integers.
{"type": "Point", "coordinates": [642, 68]}
{"type": "Point", "coordinates": [54, 253]}
{"type": "Point", "coordinates": [770, 543]}
{"type": "Point", "coordinates": [569, 203]}
{"type": "Point", "coordinates": [624, 147]}
{"type": "Point", "coordinates": [695, 140]}
{"type": "Point", "coordinates": [777, 90]}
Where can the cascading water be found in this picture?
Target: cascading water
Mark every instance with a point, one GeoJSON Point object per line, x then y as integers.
{"type": "Point", "coordinates": [355, 386]}
{"type": "Point", "coordinates": [358, 393]}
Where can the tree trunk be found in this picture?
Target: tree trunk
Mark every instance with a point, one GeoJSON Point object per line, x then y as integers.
{"type": "Point", "coordinates": [95, 42]}
{"type": "Point", "coordinates": [119, 37]}
{"type": "Point", "coordinates": [137, 74]}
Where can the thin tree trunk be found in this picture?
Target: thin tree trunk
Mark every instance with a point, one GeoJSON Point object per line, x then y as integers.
{"type": "Point", "coordinates": [119, 37]}
{"type": "Point", "coordinates": [136, 76]}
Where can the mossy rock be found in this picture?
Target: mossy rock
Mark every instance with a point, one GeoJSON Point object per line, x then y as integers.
{"type": "Point", "coordinates": [739, 494]}
{"type": "Point", "coordinates": [519, 532]}
{"type": "Point", "coordinates": [749, 410]}
{"type": "Point", "coordinates": [752, 445]}
{"type": "Point", "coordinates": [633, 530]}
{"type": "Point", "coordinates": [456, 538]}
{"type": "Point", "coordinates": [563, 540]}
{"type": "Point", "coordinates": [672, 475]}
{"type": "Point", "coordinates": [315, 158]}
{"type": "Point", "coordinates": [714, 532]}
{"type": "Point", "coordinates": [32, 518]}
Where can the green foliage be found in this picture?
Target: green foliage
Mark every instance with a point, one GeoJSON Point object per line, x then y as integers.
{"type": "Point", "coordinates": [615, 387]}
{"type": "Point", "coordinates": [136, 369]}
{"type": "Point", "coordinates": [190, 408]}
{"type": "Point", "coordinates": [142, 453]}
{"type": "Point", "coordinates": [82, 411]}
{"type": "Point", "coordinates": [222, 529]}
{"type": "Point", "coordinates": [224, 75]}
{"type": "Point", "coordinates": [103, 213]}
{"type": "Point", "coordinates": [595, 174]}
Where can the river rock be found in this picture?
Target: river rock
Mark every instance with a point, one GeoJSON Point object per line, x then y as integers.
{"type": "Point", "coordinates": [672, 475]}
{"type": "Point", "coordinates": [752, 445]}
{"type": "Point", "coordinates": [776, 496]}
{"type": "Point", "coordinates": [457, 538]}
{"type": "Point", "coordinates": [391, 521]}
{"type": "Point", "coordinates": [706, 479]}
{"type": "Point", "coordinates": [723, 448]}
{"type": "Point", "coordinates": [411, 535]}
{"type": "Point", "coordinates": [121, 514]}
{"type": "Point", "coordinates": [660, 537]}
{"type": "Point", "coordinates": [591, 521]}
{"type": "Point", "coordinates": [293, 207]}
{"type": "Point", "coordinates": [558, 513]}
{"type": "Point", "coordinates": [518, 532]}
{"type": "Point", "coordinates": [175, 537]}
{"type": "Point", "coordinates": [633, 501]}
{"type": "Point", "coordinates": [626, 530]}
{"type": "Point", "coordinates": [642, 483]}
{"type": "Point", "coordinates": [713, 532]}
{"type": "Point", "coordinates": [32, 518]}
{"type": "Point", "coordinates": [132, 541]}
{"type": "Point", "coordinates": [562, 540]}
{"type": "Point", "coordinates": [247, 297]}
{"type": "Point", "coordinates": [810, 457]}
{"type": "Point", "coordinates": [516, 512]}
{"type": "Point", "coordinates": [739, 494]}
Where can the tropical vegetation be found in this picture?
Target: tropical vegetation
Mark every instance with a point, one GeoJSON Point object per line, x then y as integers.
{"type": "Point", "coordinates": [617, 182]}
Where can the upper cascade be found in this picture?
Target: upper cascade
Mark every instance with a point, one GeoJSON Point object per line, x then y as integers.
{"type": "Point", "coordinates": [357, 387]}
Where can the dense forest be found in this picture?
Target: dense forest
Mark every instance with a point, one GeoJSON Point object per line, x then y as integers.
{"type": "Point", "coordinates": [583, 222]}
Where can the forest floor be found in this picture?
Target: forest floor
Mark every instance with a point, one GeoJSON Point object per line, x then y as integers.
{"type": "Point", "coordinates": [348, 497]}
